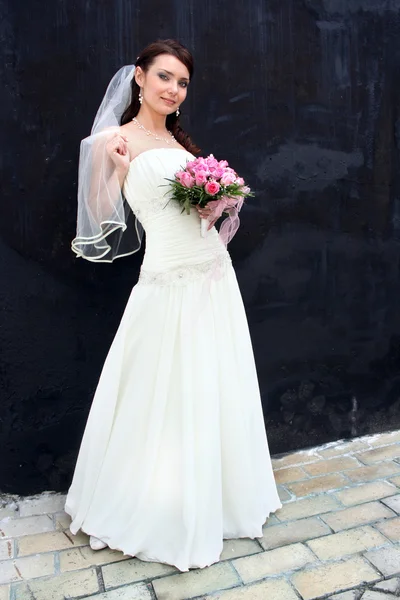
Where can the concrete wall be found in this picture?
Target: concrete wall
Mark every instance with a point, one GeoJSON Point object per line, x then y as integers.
{"type": "Point", "coordinates": [302, 97]}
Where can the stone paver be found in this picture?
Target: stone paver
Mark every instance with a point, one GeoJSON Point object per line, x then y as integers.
{"type": "Point", "coordinates": [393, 503]}
{"type": "Point", "coordinates": [6, 549]}
{"type": "Point", "coordinates": [334, 465]}
{"type": "Point", "coordinates": [26, 568]}
{"type": "Point", "coordinates": [375, 595]}
{"type": "Point", "coordinates": [274, 589]}
{"type": "Point", "coordinates": [391, 585]}
{"type": "Point", "coordinates": [4, 592]}
{"type": "Point", "coordinates": [292, 532]}
{"type": "Point", "coordinates": [6, 512]}
{"type": "Point", "coordinates": [379, 454]}
{"type": "Point", "coordinates": [290, 474]}
{"type": "Point", "coordinates": [357, 515]}
{"type": "Point", "coordinates": [59, 588]}
{"type": "Point", "coordinates": [344, 448]}
{"type": "Point", "coordinates": [241, 547]}
{"type": "Point", "coordinates": [387, 560]}
{"type": "Point", "coordinates": [272, 520]}
{"type": "Point", "coordinates": [336, 537]}
{"type": "Point", "coordinates": [376, 471]}
{"type": "Point", "coordinates": [366, 493]}
{"type": "Point", "coordinates": [133, 571]}
{"type": "Point", "coordinates": [395, 481]}
{"type": "Point", "coordinates": [390, 528]}
{"type": "Point", "coordinates": [62, 521]}
{"type": "Point", "coordinates": [82, 558]}
{"type": "Point", "coordinates": [195, 583]}
{"type": "Point", "coordinates": [392, 437]}
{"type": "Point", "coordinates": [316, 485]}
{"type": "Point", "coordinates": [273, 562]}
{"type": "Point", "coordinates": [283, 493]}
{"type": "Point", "coordinates": [351, 595]}
{"type": "Point", "coordinates": [347, 542]}
{"type": "Point", "coordinates": [129, 592]}
{"type": "Point", "coordinates": [297, 458]}
{"type": "Point", "coordinates": [308, 507]}
{"type": "Point", "coordinates": [46, 503]}
{"type": "Point", "coordinates": [11, 528]}
{"type": "Point", "coordinates": [325, 579]}
{"type": "Point", "coordinates": [50, 541]}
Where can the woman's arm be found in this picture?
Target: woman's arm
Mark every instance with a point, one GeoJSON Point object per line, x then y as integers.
{"type": "Point", "coordinates": [110, 164]}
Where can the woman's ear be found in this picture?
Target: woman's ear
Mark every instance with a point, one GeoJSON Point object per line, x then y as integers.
{"type": "Point", "coordinates": [139, 76]}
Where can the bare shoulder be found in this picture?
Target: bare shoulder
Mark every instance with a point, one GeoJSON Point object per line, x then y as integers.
{"type": "Point", "coordinates": [110, 131]}
{"type": "Point", "coordinates": [125, 129]}
{"type": "Point", "coordinates": [134, 140]}
{"type": "Point", "coordinates": [129, 131]}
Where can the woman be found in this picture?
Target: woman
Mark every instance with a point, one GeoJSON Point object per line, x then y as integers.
{"type": "Point", "coordinates": [174, 457]}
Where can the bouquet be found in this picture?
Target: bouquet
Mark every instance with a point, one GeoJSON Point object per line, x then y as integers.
{"type": "Point", "coordinates": [212, 183]}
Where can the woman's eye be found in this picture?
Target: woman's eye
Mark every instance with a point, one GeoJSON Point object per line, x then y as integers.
{"type": "Point", "coordinates": [165, 78]}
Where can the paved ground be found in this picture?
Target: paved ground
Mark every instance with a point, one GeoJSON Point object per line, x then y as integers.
{"type": "Point", "coordinates": [337, 536]}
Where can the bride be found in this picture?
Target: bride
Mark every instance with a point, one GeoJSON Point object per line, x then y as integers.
{"type": "Point", "coordinates": [174, 457]}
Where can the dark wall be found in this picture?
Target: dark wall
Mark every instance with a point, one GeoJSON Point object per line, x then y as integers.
{"type": "Point", "coordinates": [302, 97]}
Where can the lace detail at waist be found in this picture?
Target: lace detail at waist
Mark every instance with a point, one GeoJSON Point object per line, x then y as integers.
{"type": "Point", "coordinates": [186, 273]}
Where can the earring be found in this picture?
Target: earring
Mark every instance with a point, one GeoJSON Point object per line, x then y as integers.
{"type": "Point", "coordinates": [177, 112]}
{"type": "Point", "coordinates": [140, 97]}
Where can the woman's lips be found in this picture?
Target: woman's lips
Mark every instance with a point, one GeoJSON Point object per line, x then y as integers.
{"type": "Point", "coordinates": [169, 102]}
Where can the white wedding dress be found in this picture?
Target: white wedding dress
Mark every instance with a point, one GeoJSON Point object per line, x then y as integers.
{"type": "Point", "coordinates": [174, 457]}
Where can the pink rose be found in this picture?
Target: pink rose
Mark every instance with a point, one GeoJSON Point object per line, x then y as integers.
{"type": "Point", "coordinates": [212, 188]}
{"type": "Point", "coordinates": [212, 162]}
{"type": "Point", "coordinates": [200, 163]}
{"type": "Point", "coordinates": [201, 169]}
{"type": "Point", "coordinates": [223, 164]}
{"type": "Point", "coordinates": [194, 165]}
{"type": "Point", "coordinates": [228, 178]}
{"type": "Point", "coordinates": [201, 177]}
{"type": "Point", "coordinates": [217, 172]}
{"type": "Point", "coordinates": [190, 166]}
{"type": "Point", "coordinates": [187, 180]}
{"type": "Point", "coordinates": [239, 181]}
{"type": "Point", "coordinates": [245, 189]}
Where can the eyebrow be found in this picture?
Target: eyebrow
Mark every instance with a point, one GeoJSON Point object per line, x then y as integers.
{"type": "Point", "coordinates": [169, 73]}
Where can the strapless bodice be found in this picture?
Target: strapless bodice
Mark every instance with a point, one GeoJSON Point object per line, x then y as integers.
{"type": "Point", "coordinates": [173, 238]}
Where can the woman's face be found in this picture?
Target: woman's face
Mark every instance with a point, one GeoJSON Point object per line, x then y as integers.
{"type": "Point", "coordinates": [164, 86]}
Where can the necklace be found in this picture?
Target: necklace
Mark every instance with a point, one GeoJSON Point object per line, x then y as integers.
{"type": "Point", "coordinates": [158, 137]}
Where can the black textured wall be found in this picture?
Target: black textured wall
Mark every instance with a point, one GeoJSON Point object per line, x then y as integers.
{"type": "Point", "coordinates": [302, 97]}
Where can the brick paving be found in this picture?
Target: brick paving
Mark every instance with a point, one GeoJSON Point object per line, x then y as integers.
{"type": "Point", "coordinates": [336, 537]}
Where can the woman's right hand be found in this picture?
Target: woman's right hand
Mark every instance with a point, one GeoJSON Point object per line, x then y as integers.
{"type": "Point", "coordinates": [205, 212]}
{"type": "Point", "coordinates": [117, 149]}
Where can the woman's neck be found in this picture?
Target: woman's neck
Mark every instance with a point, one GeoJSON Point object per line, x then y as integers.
{"type": "Point", "coordinates": [151, 120]}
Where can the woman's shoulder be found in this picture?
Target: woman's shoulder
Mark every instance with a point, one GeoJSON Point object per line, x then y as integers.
{"type": "Point", "coordinates": [136, 144]}
{"type": "Point", "coordinates": [125, 128]}
{"type": "Point", "coordinates": [114, 130]}
{"type": "Point", "coordinates": [131, 133]}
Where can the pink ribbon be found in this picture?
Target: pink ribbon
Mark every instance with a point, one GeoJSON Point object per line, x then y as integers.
{"type": "Point", "coordinates": [230, 225]}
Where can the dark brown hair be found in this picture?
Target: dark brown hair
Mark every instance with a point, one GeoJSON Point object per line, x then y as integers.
{"type": "Point", "coordinates": [144, 61]}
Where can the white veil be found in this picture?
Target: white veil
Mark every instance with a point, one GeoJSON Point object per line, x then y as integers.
{"type": "Point", "coordinates": [106, 226]}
